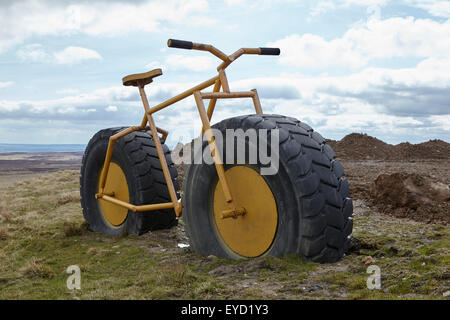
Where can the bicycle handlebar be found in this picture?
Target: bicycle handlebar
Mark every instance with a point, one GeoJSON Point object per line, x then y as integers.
{"type": "Point", "coordinates": [181, 44]}
{"type": "Point", "coordinates": [270, 51]}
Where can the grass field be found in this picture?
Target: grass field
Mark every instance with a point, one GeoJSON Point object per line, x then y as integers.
{"type": "Point", "coordinates": [42, 232]}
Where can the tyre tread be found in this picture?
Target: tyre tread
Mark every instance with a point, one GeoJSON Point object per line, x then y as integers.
{"type": "Point", "coordinates": [147, 174]}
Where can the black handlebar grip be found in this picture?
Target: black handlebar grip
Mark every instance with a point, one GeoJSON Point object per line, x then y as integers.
{"type": "Point", "coordinates": [179, 44]}
{"type": "Point", "coordinates": [270, 51]}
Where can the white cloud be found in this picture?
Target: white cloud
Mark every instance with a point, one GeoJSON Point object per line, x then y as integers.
{"type": "Point", "coordinates": [395, 105]}
{"type": "Point", "coordinates": [6, 84]}
{"type": "Point", "coordinates": [328, 5]}
{"type": "Point", "coordinates": [362, 2]}
{"type": "Point", "coordinates": [33, 53]}
{"type": "Point", "coordinates": [184, 62]}
{"type": "Point", "coordinates": [153, 65]}
{"type": "Point", "coordinates": [233, 2]}
{"type": "Point", "coordinates": [443, 121]}
{"type": "Point", "coordinates": [312, 51]}
{"type": "Point", "coordinates": [402, 37]}
{"type": "Point", "coordinates": [195, 63]}
{"type": "Point", "coordinates": [75, 107]}
{"type": "Point", "coordinates": [72, 55]}
{"type": "Point", "coordinates": [408, 104]}
{"type": "Point", "coordinates": [395, 37]}
{"type": "Point", "coordinates": [22, 19]}
{"type": "Point", "coordinates": [436, 8]}
{"type": "Point", "coordinates": [67, 91]}
{"type": "Point", "coordinates": [111, 109]}
{"type": "Point", "coordinates": [322, 7]}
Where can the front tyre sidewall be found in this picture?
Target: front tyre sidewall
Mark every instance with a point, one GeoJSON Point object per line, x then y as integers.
{"type": "Point", "coordinates": [92, 170]}
{"type": "Point", "coordinates": [198, 214]}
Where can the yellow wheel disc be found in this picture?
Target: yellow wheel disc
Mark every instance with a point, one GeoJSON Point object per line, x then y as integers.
{"type": "Point", "coordinates": [116, 183]}
{"type": "Point", "coordinates": [252, 234]}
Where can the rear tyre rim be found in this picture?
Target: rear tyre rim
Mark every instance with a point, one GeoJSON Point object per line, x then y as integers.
{"type": "Point", "coordinates": [116, 184]}
{"type": "Point", "coordinates": [252, 234]}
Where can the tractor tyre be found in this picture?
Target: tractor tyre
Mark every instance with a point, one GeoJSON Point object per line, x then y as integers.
{"type": "Point", "coordinates": [135, 176]}
{"type": "Point", "coordinates": [302, 209]}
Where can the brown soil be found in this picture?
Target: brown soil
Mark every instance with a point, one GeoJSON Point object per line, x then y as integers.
{"type": "Point", "coordinates": [411, 195]}
{"type": "Point", "coordinates": [357, 146]}
{"type": "Point", "coordinates": [405, 180]}
{"type": "Point", "coordinates": [397, 180]}
{"type": "Point", "coordinates": [360, 147]}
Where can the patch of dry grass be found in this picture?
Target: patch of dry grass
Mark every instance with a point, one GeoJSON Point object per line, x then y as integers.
{"type": "Point", "coordinates": [3, 234]}
{"type": "Point", "coordinates": [5, 215]}
{"type": "Point", "coordinates": [175, 273]}
{"type": "Point", "coordinates": [68, 197]}
{"type": "Point", "coordinates": [74, 229]}
{"type": "Point", "coordinates": [34, 268]}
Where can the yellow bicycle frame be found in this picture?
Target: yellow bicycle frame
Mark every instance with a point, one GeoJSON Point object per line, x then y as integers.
{"type": "Point", "coordinates": [219, 81]}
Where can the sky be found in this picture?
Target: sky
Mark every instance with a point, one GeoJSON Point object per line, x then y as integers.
{"type": "Point", "coordinates": [378, 67]}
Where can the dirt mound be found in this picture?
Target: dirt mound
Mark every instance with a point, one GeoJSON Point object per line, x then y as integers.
{"type": "Point", "coordinates": [360, 147]}
{"type": "Point", "coordinates": [357, 146]}
{"type": "Point", "coordinates": [433, 149]}
{"type": "Point", "coordinates": [411, 195]}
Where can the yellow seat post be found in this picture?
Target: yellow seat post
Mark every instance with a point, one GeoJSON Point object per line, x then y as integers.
{"type": "Point", "coordinates": [162, 158]}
